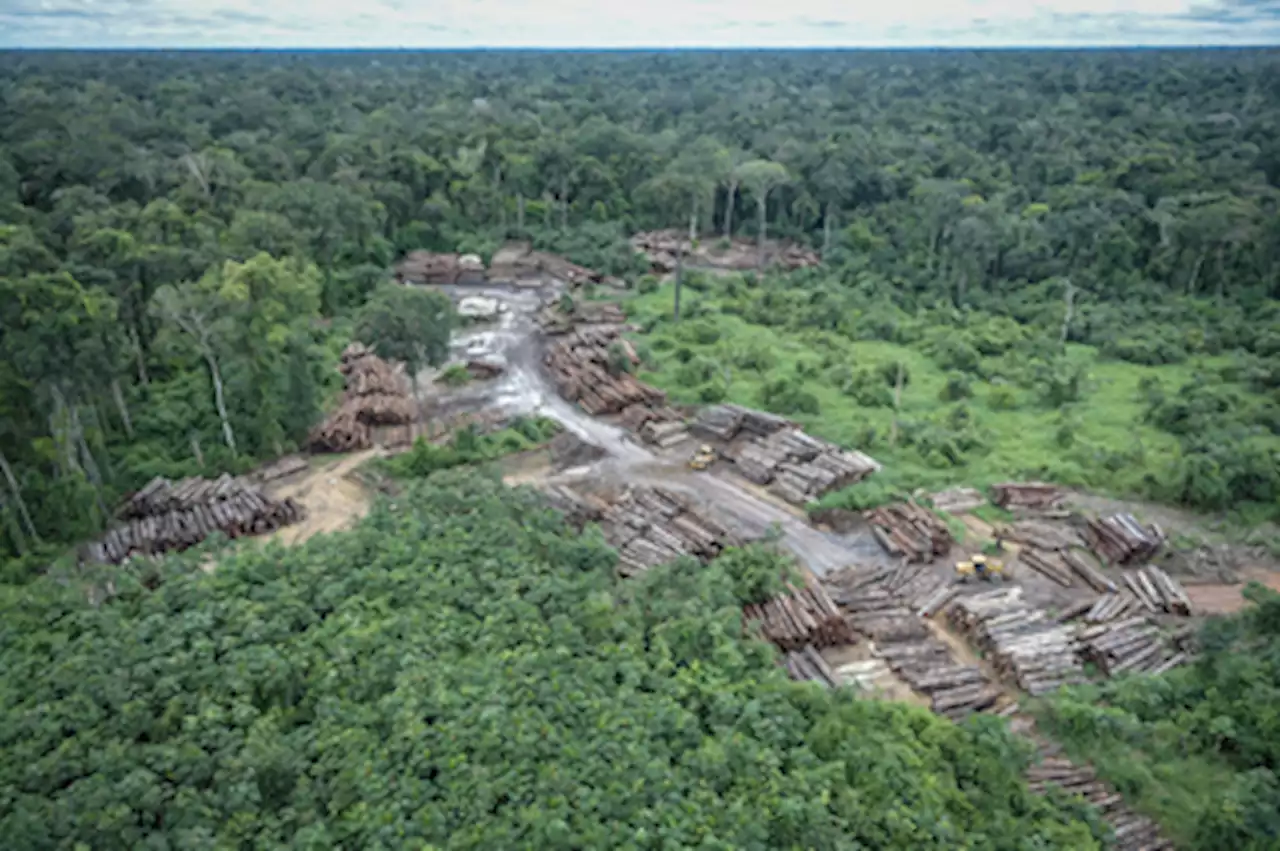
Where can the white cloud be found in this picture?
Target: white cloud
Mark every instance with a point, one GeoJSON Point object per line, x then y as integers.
{"type": "Point", "coordinates": [613, 23]}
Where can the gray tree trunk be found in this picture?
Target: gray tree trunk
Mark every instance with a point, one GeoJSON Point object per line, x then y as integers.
{"type": "Point", "coordinates": [1195, 272]}
{"type": "Point", "coordinates": [137, 350]}
{"type": "Point", "coordinates": [675, 312]}
{"type": "Point", "coordinates": [118, 396]}
{"type": "Point", "coordinates": [764, 219]}
{"type": "Point", "coordinates": [826, 230]}
{"type": "Point", "coordinates": [17, 499]}
{"type": "Point", "coordinates": [728, 210]}
{"type": "Point", "coordinates": [1070, 297]}
{"type": "Point", "coordinates": [216, 374]}
{"type": "Point", "coordinates": [564, 202]}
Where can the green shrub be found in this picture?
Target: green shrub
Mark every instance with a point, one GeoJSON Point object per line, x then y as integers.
{"type": "Point", "coordinates": [712, 394]}
{"type": "Point", "coordinates": [757, 357]}
{"type": "Point", "coordinates": [786, 396]}
{"type": "Point", "coordinates": [758, 572]}
{"type": "Point", "coordinates": [956, 388]}
{"type": "Point", "coordinates": [1002, 398]}
{"type": "Point", "coordinates": [455, 375]}
{"type": "Point", "coordinates": [697, 371]}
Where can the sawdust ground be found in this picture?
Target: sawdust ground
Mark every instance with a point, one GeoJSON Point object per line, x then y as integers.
{"type": "Point", "coordinates": [889, 686]}
{"type": "Point", "coordinates": [1222, 599]}
{"type": "Point", "coordinates": [332, 497]}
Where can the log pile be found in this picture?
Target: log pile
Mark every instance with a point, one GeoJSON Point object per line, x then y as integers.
{"type": "Point", "coordinates": [807, 665]}
{"type": "Point", "coordinates": [798, 467]}
{"type": "Point", "coordinates": [1035, 496]}
{"type": "Point", "coordinates": [1066, 566]}
{"type": "Point", "coordinates": [1157, 591]}
{"type": "Point", "coordinates": [635, 417]}
{"type": "Point", "coordinates": [580, 367]}
{"type": "Point", "coordinates": [427, 267]}
{"type": "Point", "coordinates": [1120, 539]}
{"type": "Point", "coordinates": [1132, 832]}
{"type": "Point", "coordinates": [165, 516]}
{"type": "Point", "coordinates": [279, 469]}
{"type": "Point", "coordinates": [910, 531]}
{"type": "Point", "coordinates": [1105, 608]}
{"type": "Point", "coordinates": [662, 247]}
{"type": "Point", "coordinates": [376, 394]}
{"type": "Point", "coordinates": [653, 525]}
{"type": "Point", "coordinates": [957, 500]}
{"type": "Point", "coordinates": [1041, 535]}
{"type": "Point", "coordinates": [803, 616]}
{"type": "Point", "coordinates": [725, 422]}
{"type": "Point", "coordinates": [1130, 646]}
{"type": "Point", "coordinates": [1023, 643]}
{"type": "Point", "coordinates": [890, 606]}
{"type": "Point", "coordinates": [579, 509]}
{"type": "Point", "coordinates": [873, 607]}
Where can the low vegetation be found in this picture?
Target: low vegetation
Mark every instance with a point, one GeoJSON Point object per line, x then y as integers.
{"type": "Point", "coordinates": [467, 446]}
{"type": "Point", "coordinates": [463, 671]}
{"type": "Point", "coordinates": [1197, 748]}
{"type": "Point", "coordinates": [944, 397]}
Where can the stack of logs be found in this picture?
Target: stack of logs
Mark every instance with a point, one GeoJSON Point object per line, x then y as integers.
{"type": "Point", "coordinates": [807, 665]}
{"type": "Point", "coordinates": [769, 450]}
{"type": "Point", "coordinates": [889, 605]}
{"type": "Point", "coordinates": [653, 525]}
{"type": "Point", "coordinates": [428, 267]}
{"type": "Point", "coordinates": [1104, 608]}
{"type": "Point", "coordinates": [908, 530]}
{"type": "Point", "coordinates": [165, 517]}
{"type": "Point", "coordinates": [376, 394]}
{"type": "Point", "coordinates": [1132, 832]}
{"type": "Point", "coordinates": [662, 247]}
{"type": "Point", "coordinates": [1130, 646]}
{"type": "Point", "coordinates": [1022, 643]}
{"type": "Point", "coordinates": [281, 468]}
{"type": "Point", "coordinates": [803, 616]}
{"type": "Point", "coordinates": [725, 422]}
{"type": "Point", "coordinates": [1034, 496]}
{"type": "Point", "coordinates": [580, 367]}
{"type": "Point", "coordinates": [1157, 591]}
{"type": "Point", "coordinates": [1120, 539]}
{"type": "Point", "coordinates": [1065, 566]}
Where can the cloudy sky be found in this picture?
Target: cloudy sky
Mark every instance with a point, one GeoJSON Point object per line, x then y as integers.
{"type": "Point", "coordinates": [633, 23]}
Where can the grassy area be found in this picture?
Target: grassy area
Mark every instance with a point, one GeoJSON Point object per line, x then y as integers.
{"type": "Point", "coordinates": [469, 447]}
{"type": "Point", "coordinates": [949, 427]}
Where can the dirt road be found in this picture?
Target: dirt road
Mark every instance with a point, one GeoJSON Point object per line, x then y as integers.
{"type": "Point", "coordinates": [525, 389]}
{"type": "Point", "coordinates": [332, 498]}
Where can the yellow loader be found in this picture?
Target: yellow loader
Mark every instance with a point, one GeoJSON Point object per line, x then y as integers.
{"type": "Point", "coordinates": [702, 458]}
{"type": "Point", "coordinates": [988, 570]}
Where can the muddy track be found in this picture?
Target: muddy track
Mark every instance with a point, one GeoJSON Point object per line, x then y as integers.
{"type": "Point", "coordinates": [526, 389]}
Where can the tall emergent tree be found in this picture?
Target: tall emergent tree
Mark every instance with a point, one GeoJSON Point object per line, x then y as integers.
{"type": "Point", "coordinates": [407, 324]}
{"type": "Point", "coordinates": [761, 177]}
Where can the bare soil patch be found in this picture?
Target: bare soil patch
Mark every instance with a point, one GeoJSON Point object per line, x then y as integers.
{"type": "Point", "coordinates": [331, 495]}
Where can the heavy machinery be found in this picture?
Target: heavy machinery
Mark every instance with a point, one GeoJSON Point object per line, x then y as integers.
{"type": "Point", "coordinates": [702, 458]}
{"type": "Point", "coordinates": [986, 569]}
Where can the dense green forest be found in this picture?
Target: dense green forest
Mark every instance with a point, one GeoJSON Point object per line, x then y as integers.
{"type": "Point", "coordinates": [185, 236]}
{"type": "Point", "coordinates": [465, 671]}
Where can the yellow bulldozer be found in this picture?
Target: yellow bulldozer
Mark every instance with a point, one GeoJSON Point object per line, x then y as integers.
{"type": "Point", "coordinates": [981, 567]}
{"type": "Point", "coordinates": [702, 458]}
